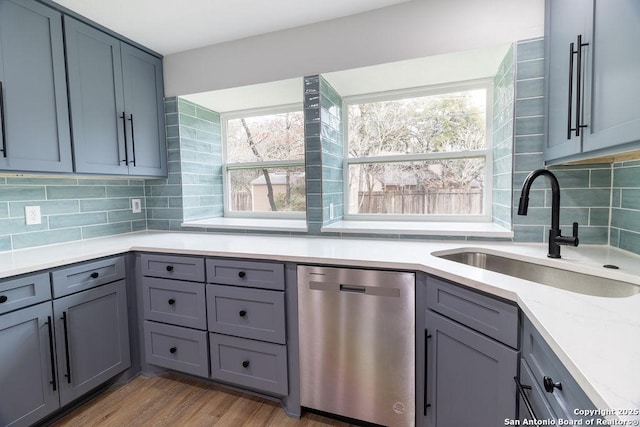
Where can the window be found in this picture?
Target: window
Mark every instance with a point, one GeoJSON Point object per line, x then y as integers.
{"type": "Point", "coordinates": [264, 163]}
{"type": "Point", "coordinates": [420, 154]}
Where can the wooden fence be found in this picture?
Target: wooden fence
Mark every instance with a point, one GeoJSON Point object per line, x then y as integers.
{"type": "Point", "coordinates": [437, 202]}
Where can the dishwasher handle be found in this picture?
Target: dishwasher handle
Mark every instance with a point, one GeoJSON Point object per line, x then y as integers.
{"type": "Point", "coordinates": [353, 289]}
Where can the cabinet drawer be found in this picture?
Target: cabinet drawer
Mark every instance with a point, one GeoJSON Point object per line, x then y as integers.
{"type": "Point", "coordinates": [77, 278]}
{"type": "Point", "coordinates": [486, 315]}
{"type": "Point", "coordinates": [539, 404]}
{"type": "Point", "coordinates": [249, 313]}
{"type": "Point", "coordinates": [176, 348]}
{"type": "Point", "coordinates": [544, 363]}
{"type": "Point", "coordinates": [174, 301]}
{"type": "Point", "coordinates": [173, 267]}
{"type": "Point", "coordinates": [24, 291]}
{"type": "Point", "coordinates": [267, 275]}
{"type": "Point", "coordinates": [254, 364]}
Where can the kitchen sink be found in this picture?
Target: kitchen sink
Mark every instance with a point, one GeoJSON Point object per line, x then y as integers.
{"type": "Point", "coordinates": [558, 278]}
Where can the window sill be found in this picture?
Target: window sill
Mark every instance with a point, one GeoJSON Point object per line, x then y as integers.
{"type": "Point", "coordinates": [457, 229]}
{"type": "Point", "coordinates": [297, 225]}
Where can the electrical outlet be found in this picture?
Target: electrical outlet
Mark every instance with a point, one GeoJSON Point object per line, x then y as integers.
{"type": "Point", "coordinates": [136, 206]}
{"type": "Point", "coordinates": [331, 211]}
{"type": "Point", "coordinates": [32, 215]}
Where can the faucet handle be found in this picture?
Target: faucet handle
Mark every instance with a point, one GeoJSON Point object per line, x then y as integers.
{"type": "Point", "coordinates": [569, 240]}
{"type": "Point", "coordinates": [575, 230]}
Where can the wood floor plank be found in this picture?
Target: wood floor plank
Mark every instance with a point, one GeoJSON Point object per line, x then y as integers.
{"type": "Point", "coordinates": [183, 402]}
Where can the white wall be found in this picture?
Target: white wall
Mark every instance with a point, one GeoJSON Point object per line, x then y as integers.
{"type": "Point", "coordinates": [409, 30]}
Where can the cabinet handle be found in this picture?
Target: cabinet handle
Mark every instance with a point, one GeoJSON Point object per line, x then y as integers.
{"type": "Point", "coordinates": [51, 356]}
{"type": "Point", "coordinates": [66, 346]}
{"type": "Point", "coordinates": [427, 336]}
{"type": "Point", "coordinates": [245, 364]}
{"type": "Point", "coordinates": [172, 350]}
{"type": "Point", "coordinates": [578, 53]}
{"type": "Point", "coordinates": [171, 301]}
{"type": "Point", "coordinates": [242, 274]}
{"type": "Point", "coordinates": [126, 148]}
{"type": "Point", "coordinates": [169, 268]}
{"type": "Point", "coordinates": [550, 385]}
{"type": "Point", "coordinates": [95, 275]}
{"type": "Point", "coordinates": [2, 127]}
{"type": "Point", "coordinates": [242, 313]}
{"type": "Point", "coordinates": [521, 388]}
{"type": "Point", "coordinates": [3, 298]}
{"type": "Point", "coordinates": [133, 140]}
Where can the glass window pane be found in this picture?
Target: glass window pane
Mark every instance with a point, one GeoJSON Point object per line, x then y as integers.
{"type": "Point", "coordinates": [427, 124]}
{"type": "Point", "coordinates": [269, 137]}
{"type": "Point", "coordinates": [267, 189]}
{"type": "Point", "coordinates": [437, 187]}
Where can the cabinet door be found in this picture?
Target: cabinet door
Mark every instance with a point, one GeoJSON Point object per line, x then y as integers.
{"type": "Point", "coordinates": [27, 367]}
{"type": "Point", "coordinates": [565, 20]}
{"type": "Point", "coordinates": [92, 338]}
{"type": "Point", "coordinates": [35, 119]}
{"type": "Point", "coordinates": [614, 109]}
{"type": "Point", "coordinates": [469, 376]}
{"type": "Point", "coordinates": [143, 94]}
{"type": "Point", "coordinates": [96, 99]}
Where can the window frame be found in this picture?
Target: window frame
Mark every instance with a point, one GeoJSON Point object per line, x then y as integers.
{"type": "Point", "coordinates": [227, 166]}
{"type": "Point", "coordinates": [437, 89]}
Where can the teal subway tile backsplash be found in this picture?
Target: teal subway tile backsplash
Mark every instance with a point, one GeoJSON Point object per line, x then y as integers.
{"type": "Point", "coordinates": [68, 207]}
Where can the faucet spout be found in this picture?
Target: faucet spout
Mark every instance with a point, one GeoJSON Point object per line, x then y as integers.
{"type": "Point", "coordinates": [555, 237]}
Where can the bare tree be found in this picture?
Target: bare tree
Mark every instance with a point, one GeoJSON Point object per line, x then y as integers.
{"type": "Point", "coordinates": [265, 172]}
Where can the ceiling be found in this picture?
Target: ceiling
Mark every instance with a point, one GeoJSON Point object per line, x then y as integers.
{"type": "Point", "coordinates": [169, 26]}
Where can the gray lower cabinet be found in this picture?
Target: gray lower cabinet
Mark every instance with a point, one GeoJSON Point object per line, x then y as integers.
{"type": "Point", "coordinates": [470, 357]}
{"type": "Point", "coordinates": [34, 120]}
{"type": "Point", "coordinates": [469, 376]}
{"type": "Point", "coordinates": [549, 391]}
{"type": "Point", "coordinates": [29, 388]}
{"type": "Point", "coordinates": [115, 98]}
{"type": "Point", "coordinates": [92, 338]}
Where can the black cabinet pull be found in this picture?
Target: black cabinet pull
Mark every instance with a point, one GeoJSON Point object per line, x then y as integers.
{"type": "Point", "coordinates": [521, 388]}
{"type": "Point", "coordinates": [66, 346]}
{"type": "Point", "coordinates": [171, 301]}
{"type": "Point", "coordinates": [550, 385]}
{"type": "Point", "coordinates": [173, 350]}
{"type": "Point", "coordinates": [245, 364]}
{"type": "Point", "coordinates": [242, 313]}
{"type": "Point", "coordinates": [426, 367]}
{"type": "Point", "coordinates": [95, 275]}
{"type": "Point", "coordinates": [169, 268]}
{"type": "Point", "coordinates": [126, 149]}
{"type": "Point", "coordinates": [2, 127]}
{"type": "Point", "coordinates": [242, 274]}
{"type": "Point", "coordinates": [3, 298]}
{"type": "Point", "coordinates": [578, 52]}
{"type": "Point", "coordinates": [51, 356]}
{"type": "Point", "coordinates": [133, 140]}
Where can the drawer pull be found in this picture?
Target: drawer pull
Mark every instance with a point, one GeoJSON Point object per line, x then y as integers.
{"type": "Point", "coordinates": [242, 313]}
{"type": "Point", "coordinates": [95, 275]}
{"type": "Point", "coordinates": [3, 298]}
{"type": "Point", "coordinates": [171, 301]}
{"type": "Point", "coordinates": [521, 388]}
{"type": "Point", "coordinates": [242, 274]}
{"type": "Point", "coordinates": [173, 350]}
{"type": "Point", "coordinates": [169, 268]}
{"type": "Point", "coordinates": [550, 385]}
{"type": "Point", "coordinates": [245, 364]}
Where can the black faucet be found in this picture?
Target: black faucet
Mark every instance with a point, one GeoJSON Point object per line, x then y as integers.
{"type": "Point", "coordinates": [555, 237]}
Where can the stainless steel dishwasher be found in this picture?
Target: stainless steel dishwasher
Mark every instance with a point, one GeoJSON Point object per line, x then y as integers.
{"type": "Point", "coordinates": [357, 343]}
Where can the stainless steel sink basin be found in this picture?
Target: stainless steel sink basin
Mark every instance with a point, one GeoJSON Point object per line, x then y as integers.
{"type": "Point", "coordinates": [558, 278]}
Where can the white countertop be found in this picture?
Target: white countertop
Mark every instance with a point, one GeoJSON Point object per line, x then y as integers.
{"type": "Point", "coordinates": [597, 338]}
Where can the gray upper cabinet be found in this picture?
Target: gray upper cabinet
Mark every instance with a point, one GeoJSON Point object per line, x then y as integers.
{"type": "Point", "coordinates": [115, 94]}
{"type": "Point", "coordinates": [34, 120]}
{"type": "Point", "coordinates": [27, 367]}
{"type": "Point", "coordinates": [591, 78]}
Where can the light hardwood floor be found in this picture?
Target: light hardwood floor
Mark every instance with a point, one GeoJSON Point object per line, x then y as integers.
{"type": "Point", "coordinates": [181, 402]}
